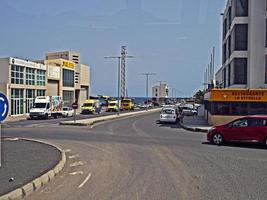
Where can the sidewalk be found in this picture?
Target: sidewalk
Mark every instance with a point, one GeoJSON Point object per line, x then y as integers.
{"type": "Point", "coordinates": [195, 124]}
{"type": "Point", "coordinates": [23, 161]}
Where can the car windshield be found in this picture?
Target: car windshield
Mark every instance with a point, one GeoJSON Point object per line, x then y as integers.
{"type": "Point", "coordinates": [112, 104]}
{"type": "Point", "coordinates": [39, 105]}
{"type": "Point", "coordinates": [87, 105]}
{"type": "Point", "coordinates": [65, 109]}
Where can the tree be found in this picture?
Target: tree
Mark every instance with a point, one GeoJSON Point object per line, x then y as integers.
{"type": "Point", "coordinates": [199, 97]}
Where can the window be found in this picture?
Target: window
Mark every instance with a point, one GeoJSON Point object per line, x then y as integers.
{"type": "Point", "coordinates": [40, 93]}
{"type": "Point", "coordinates": [224, 77]}
{"type": "Point", "coordinates": [17, 101]}
{"type": "Point", "coordinates": [229, 75]}
{"type": "Point", "coordinates": [266, 32]}
{"type": "Point", "coordinates": [30, 95]}
{"type": "Point", "coordinates": [240, 123]}
{"type": "Point", "coordinates": [224, 53]}
{"type": "Point", "coordinates": [257, 122]}
{"type": "Point", "coordinates": [239, 66]}
{"type": "Point", "coordinates": [241, 8]}
{"type": "Point", "coordinates": [17, 74]}
{"type": "Point", "coordinates": [68, 78]}
{"type": "Point", "coordinates": [40, 77]}
{"type": "Point", "coordinates": [68, 98]}
{"type": "Point", "coordinates": [30, 76]}
{"type": "Point", "coordinates": [241, 37]}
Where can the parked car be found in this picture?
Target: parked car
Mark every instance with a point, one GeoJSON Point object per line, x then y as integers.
{"type": "Point", "coordinates": [168, 115]}
{"type": "Point", "coordinates": [67, 112]}
{"type": "Point", "coordinates": [245, 129]}
{"type": "Point", "coordinates": [188, 111]}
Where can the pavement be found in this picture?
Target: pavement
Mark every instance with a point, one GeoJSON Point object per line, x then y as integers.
{"type": "Point", "coordinates": [136, 158]}
{"type": "Point", "coordinates": [195, 124]}
{"type": "Point", "coordinates": [22, 162]}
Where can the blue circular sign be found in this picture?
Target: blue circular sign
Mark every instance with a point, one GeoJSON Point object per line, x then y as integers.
{"type": "Point", "coordinates": [4, 107]}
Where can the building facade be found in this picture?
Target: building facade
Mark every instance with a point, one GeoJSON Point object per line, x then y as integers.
{"type": "Point", "coordinates": [244, 47]}
{"type": "Point", "coordinates": [160, 91]}
{"type": "Point", "coordinates": [67, 55]}
{"type": "Point", "coordinates": [22, 80]}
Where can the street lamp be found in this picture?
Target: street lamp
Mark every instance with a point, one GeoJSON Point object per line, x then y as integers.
{"type": "Point", "coordinates": [119, 63]}
{"type": "Point", "coordinates": [147, 83]}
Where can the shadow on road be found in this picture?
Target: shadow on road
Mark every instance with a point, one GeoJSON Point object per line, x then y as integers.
{"type": "Point", "coordinates": [239, 145]}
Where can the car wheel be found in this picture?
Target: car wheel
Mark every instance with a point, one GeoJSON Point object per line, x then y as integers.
{"type": "Point", "coordinates": [217, 139]}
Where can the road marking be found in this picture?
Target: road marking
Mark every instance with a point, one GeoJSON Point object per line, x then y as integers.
{"type": "Point", "coordinates": [85, 180]}
{"type": "Point", "coordinates": [75, 164]}
{"type": "Point", "coordinates": [67, 150]}
{"type": "Point", "coordinates": [76, 173]}
{"type": "Point", "coordinates": [11, 139]}
{"type": "Point", "coordinates": [74, 156]}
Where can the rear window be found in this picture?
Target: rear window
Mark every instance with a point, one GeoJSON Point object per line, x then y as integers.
{"type": "Point", "coordinates": [168, 111]}
{"type": "Point", "coordinates": [257, 122]}
{"type": "Point", "coordinates": [65, 109]}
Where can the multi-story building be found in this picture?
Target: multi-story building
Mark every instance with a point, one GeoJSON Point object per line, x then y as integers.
{"type": "Point", "coordinates": [242, 79]}
{"type": "Point", "coordinates": [244, 63]}
{"type": "Point", "coordinates": [22, 80]}
{"type": "Point", "coordinates": [160, 91]}
{"type": "Point", "coordinates": [67, 55]}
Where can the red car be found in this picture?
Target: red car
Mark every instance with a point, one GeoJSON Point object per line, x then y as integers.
{"type": "Point", "coordinates": [246, 129]}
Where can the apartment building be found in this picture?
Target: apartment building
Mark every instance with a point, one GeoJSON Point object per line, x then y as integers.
{"type": "Point", "coordinates": [244, 47]}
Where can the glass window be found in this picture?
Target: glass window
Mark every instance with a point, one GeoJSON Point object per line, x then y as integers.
{"type": "Point", "coordinates": [266, 69]}
{"type": "Point", "coordinates": [40, 77]}
{"type": "Point", "coordinates": [241, 37]}
{"type": "Point", "coordinates": [17, 74]}
{"type": "Point", "coordinates": [17, 101]}
{"type": "Point", "coordinates": [30, 95]}
{"type": "Point", "coordinates": [257, 122]}
{"type": "Point", "coordinates": [240, 123]}
{"type": "Point", "coordinates": [40, 93]}
{"type": "Point", "coordinates": [239, 66]}
{"type": "Point", "coordinates": [30, 76]}
{"type": "Point", "coordinates": [68, 98]}
{"type": "Point", "coordinates": [68, 78]}
{"type": "Point", "coordinates": [241, 8]}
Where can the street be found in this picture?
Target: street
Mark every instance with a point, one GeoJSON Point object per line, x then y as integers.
{"type": "Point", "coordinates": [136, 158]}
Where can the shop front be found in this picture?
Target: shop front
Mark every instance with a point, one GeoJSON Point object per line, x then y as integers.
{"type": "Point", "coordinates": [224, 105]}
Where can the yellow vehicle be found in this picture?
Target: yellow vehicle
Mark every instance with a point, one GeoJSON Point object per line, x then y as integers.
{"type": "Point", "coordinates": [112, 106]}
{"type": "Point", "coordinates": [91, 106]}
{"type": "Point", "coordinates": [127, 104]}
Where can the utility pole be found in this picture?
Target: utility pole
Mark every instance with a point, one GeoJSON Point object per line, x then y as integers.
{"type": "Point", "coordinates": [123, 70]}
{"type": "Point", "coordinates": [147, 85]}
{"type": "Point", "coordinates": [119, 62]}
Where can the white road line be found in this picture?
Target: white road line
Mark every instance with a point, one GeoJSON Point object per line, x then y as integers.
{"type": "Point", "coordinates": [67, 150]}
{"type": "Point", "coordinates": [73, 156]}
{"type": "Point", "coordinates": [76, 173]}
{"type": "Point", "coordinates": [75, 164]}
{"type": "Point", "coordinates": [85, 180]}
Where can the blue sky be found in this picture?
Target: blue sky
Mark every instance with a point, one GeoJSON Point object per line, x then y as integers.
{"type": "Point", "coordinates": [172, 38]}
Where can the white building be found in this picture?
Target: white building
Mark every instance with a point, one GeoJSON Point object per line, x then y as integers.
{"type": "Point", "coordinates": [160, 91]}
{"type": "Point", "coordinates": [22, 80]}
{"type": "Point", "coordinates": [244, 62]}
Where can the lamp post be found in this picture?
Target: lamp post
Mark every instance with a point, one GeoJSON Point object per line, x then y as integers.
{"type": "Point", "coordinates": [119, 63]}
{"type": "Point", "coordinates": [147, 83]}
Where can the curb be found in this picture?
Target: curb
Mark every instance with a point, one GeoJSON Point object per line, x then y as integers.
{"type": "Point", "coordinates": [109, 118]}
{"type": "Point", "coordinates": [37, 183]}
{"type": "Point", "coordinates": [193, 129]}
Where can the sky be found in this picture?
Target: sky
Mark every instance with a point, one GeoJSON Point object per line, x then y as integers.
{"type": "Point", "coordinates": [172, 38]}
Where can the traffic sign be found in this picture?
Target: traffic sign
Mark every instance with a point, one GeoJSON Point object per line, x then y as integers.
{"type": "Point", "coordinates": [4, 107]}
{"type": "Point", "coordinates": [75, 106]}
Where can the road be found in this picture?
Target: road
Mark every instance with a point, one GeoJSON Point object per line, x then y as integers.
{"type": "Point", "coordinates": [135, 158]}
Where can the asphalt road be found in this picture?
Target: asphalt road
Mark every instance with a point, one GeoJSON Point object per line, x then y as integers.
{"type": "Point", "coordinates": [39, 123]}
{"type": "Point", "coordinates": [135, 158]}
